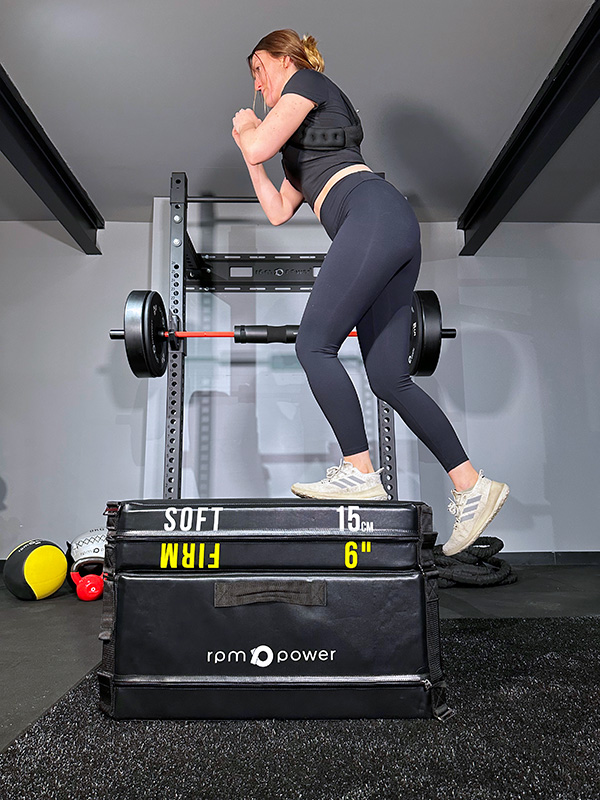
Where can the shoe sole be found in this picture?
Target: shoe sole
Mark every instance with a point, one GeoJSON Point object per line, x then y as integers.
{"type": "Point", "coordinates": [504, 492]}
{"type": "Point", "coordinates": [315, 496]}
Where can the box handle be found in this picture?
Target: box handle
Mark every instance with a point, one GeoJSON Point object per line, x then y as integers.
{"type": "Point", "coordinates": [245, 592]}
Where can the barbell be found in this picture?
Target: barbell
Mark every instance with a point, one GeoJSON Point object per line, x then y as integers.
{"type": "Point", "coordinates": [148, 338]}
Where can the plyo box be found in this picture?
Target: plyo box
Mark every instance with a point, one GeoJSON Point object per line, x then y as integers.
{"type": "Point", "coordinates": [241, 609]}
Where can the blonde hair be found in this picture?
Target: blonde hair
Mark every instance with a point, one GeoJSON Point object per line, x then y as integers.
{"type": "Point", "coordinates": [303, 52]}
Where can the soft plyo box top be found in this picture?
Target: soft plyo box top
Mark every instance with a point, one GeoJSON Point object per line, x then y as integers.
{"type": "Point", "coordinates": [268, 534]}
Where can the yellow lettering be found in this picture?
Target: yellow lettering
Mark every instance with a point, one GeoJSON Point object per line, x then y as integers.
{"type": "Point", "coordinates": [351, 557]}
{"type": "Point", "coordinates": [187, 555]}
{"type": "Point", "coordinates": [201, 556]}
{"type": "Point", "coordinates": [214, 557]}
{"type": "Point", "coordinates": [168, 555]}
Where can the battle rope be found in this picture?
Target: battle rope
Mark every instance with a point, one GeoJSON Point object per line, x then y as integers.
{"type": "Point", "coordinates": [475, 566]}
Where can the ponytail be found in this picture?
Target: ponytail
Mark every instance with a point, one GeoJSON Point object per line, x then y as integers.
{"type": "Point", "coordinates": [304, 52]}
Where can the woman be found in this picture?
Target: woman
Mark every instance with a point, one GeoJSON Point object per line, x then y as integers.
{"type": "Point", "coordinates": [366, 280]}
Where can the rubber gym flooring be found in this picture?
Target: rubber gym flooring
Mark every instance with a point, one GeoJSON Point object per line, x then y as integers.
{"type": "Point", "coordinates": [48, 646]}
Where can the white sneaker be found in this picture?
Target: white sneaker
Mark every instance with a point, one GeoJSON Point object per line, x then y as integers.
{"type": "Point", "coordinates": [344, 482]}
{"type": "Point", "coordinates": [474, 510]}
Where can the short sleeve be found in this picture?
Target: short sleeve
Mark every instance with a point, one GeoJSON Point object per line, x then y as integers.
{"type": "Point", "coordinates": [308, 83]}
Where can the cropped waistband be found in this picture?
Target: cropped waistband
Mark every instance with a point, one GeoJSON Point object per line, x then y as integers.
{"type": "Point", "coordinates": [335, 205]}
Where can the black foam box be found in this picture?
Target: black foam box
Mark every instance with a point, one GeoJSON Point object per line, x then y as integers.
{"type": "Point", "coordinates": [232, 609]}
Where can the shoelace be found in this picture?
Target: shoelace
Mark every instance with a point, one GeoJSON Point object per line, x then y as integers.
{"type": "Point", "coordinates": [333, 471]}
{"type": "Point", "coordinates": [457, 504]}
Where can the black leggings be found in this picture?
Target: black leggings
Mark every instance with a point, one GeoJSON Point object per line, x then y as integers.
{"type": "Point", "coordinates": [367, 280]}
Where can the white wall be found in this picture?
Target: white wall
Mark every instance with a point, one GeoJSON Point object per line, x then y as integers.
{"type": "Point", "coordinates": [522, 380]}
{"type": "Point", "coordinates": [71, 416]}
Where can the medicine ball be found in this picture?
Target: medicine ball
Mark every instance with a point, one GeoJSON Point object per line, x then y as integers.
{"type": "Point", "coordinates": [35, 569]}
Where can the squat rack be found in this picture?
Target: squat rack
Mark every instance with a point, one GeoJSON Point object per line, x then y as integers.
{"type": "Point", "coordinates": [188, 270]}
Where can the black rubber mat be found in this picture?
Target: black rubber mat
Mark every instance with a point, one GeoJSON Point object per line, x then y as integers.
{"type": "Point", "coordinates": [525, 691]}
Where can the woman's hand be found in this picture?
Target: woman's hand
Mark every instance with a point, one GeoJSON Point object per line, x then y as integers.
{"type": "Point", "coordinates": [245, 119]}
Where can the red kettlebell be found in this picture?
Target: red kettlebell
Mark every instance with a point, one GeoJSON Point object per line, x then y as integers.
{"type": "Point", "coordinates": [89, 587]}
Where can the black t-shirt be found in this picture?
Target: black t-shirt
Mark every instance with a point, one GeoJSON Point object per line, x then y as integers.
{"type": "Point", "coordinates": [309, 170]}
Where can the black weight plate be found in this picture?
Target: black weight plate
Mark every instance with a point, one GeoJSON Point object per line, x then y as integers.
{"type": "Point", "coordinates": [416, 327]}
{"type": "Point", "coordinates": [144, 323]}
{"type": "Point", "coordinates": [426, 333]}
{"type": "Point", "coordinates": [157, 345]}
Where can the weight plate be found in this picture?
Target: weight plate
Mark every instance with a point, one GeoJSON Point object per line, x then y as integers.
{"type": "Point", "coordinates": [416, 324]}
{"type": "Point", "coordinates": [144, 323]}
{"type": "Point", "coordinates": [425, 333]}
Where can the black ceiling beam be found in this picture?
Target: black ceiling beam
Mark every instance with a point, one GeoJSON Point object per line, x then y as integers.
{"type": "Point", "coordinates": [564, 98]}
{"type": "Point", "coordinates": [28, 148]}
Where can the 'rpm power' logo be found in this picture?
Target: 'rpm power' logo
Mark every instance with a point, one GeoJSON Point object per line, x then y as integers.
{"type": "Point", "coordinates": [262, 655]}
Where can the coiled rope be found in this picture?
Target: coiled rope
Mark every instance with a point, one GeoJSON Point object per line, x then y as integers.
{"type": "Point", "coordinates": [475, 566]}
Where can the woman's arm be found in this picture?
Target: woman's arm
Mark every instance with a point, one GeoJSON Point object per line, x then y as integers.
{"type": "Point", "coordinates": [260, 141]}
{"type": "Point", "coordinates": [279, 206]}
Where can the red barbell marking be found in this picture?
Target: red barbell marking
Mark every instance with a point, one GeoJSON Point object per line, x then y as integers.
{"type": "Point", "coordinates": [198, 334]}
{"type": "Point", "coordinates": [210, 334]}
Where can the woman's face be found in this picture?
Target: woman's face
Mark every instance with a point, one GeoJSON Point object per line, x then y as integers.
{"type": "Point", "coordinates": [270, 75]}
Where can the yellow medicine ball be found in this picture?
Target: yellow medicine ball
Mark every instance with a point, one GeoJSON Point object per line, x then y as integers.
{"type": "Point", "coordinates": [35, 569]}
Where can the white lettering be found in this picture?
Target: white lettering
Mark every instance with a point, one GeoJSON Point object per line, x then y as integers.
{"type": "Point", "coordinates": [263, 656]}
{"type": "Point", "coordinates": [216, 511]}
{"type": "Point", "coordinates": [191, 517]}
{"type": "Point", "coordinates": [353, 518]}
{"type": "Point", "coordinates": [170, 520]}
{"type": "Point", "coordinates": [200, 518]}
{"type": "Point", "coordinates": [237, 655]}
{"type": "Point", "coordinates": [186, 519]}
